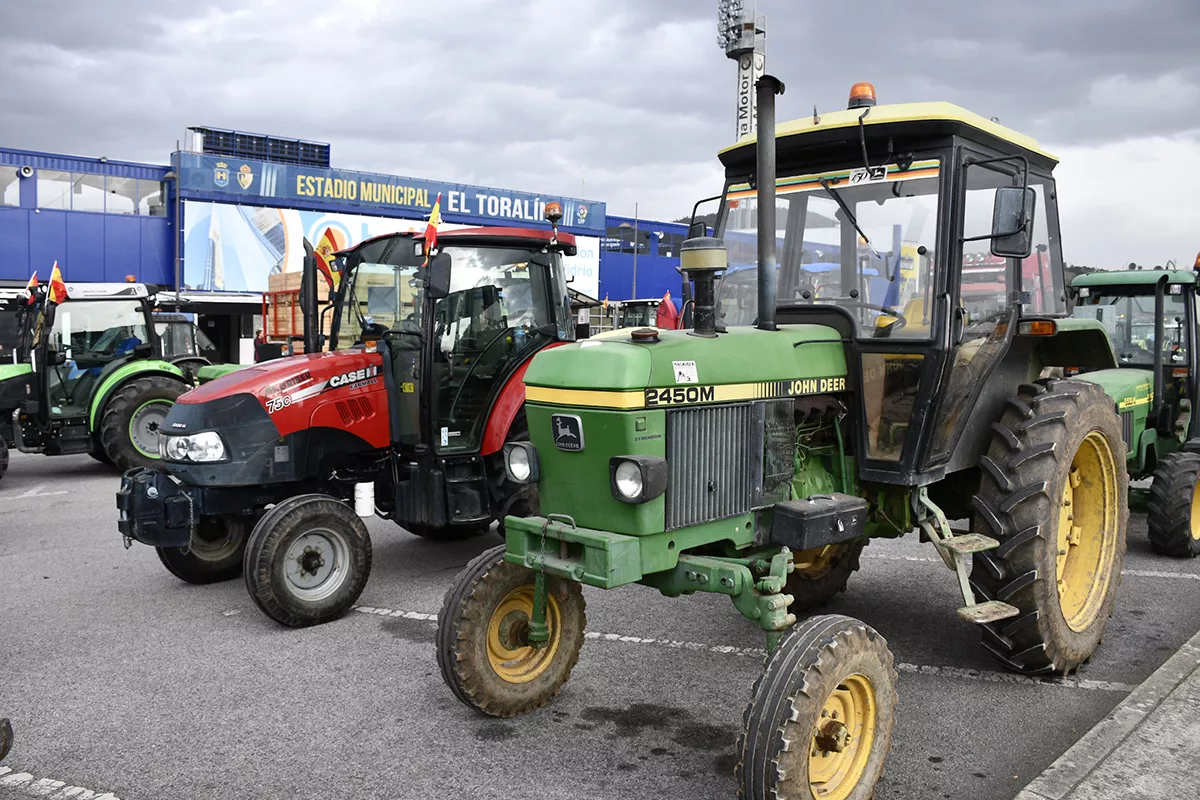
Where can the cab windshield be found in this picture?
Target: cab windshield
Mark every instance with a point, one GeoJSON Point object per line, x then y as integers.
{"type": "Point", "coordinates": [1129, 320]}
{"type": "Point", "coordinates": [859, 239]}
{"type": "Point", "coordinates": [380, 298]}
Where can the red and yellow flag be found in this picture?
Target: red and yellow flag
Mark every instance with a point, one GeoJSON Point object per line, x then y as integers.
{"type": "Point", "coordinates": [435, 219]}
{"type": "Point", "coordinates": [56, 291]}
{"type": "Point", "coordinates": [324, 251]}
{"type": "Point", "coordinates": [31, 288]}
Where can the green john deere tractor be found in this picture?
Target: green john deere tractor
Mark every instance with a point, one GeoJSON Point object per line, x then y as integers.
{"type": "Point", "coordinates": [1150, 316]}
{"type": "Point", "coordinates": [756, 461]}
{"type": "Point", "coordinates": [96, 374]}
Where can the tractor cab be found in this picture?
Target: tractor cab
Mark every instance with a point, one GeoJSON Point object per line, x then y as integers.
{"type": "Point", "coordinates": [457, 330]}
{"type": "Point", "coordinates": [926, 236]}
{"type": "Point", "coordinates": [638, 313]}
{"type": "Point", "coordinates": [183, 343]}
{"type": "Point", "coordinates": [1150, 318]}
{"type": "Point", "coordinates": [78, 360]}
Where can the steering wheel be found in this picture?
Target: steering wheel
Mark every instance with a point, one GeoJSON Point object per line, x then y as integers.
{"type": "Point", "coordinates": [899, 324]}
{"type": "Point", "coordinates": [376, 328]}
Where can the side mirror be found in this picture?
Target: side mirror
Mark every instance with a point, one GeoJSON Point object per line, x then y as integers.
{"type": "Point", "coordinates": [437, 283]}
{"type": "Point", "coordinates": [1012, 222]}
{"type": "Point", "coordinates": [56, 357]}
{"type": "Point", "coordinates": [696, 229]}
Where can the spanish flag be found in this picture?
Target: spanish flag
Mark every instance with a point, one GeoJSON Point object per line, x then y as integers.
{"type": "Point", "coordinates": [31, 288]}
{"type": "Point", "coordinates": [435, 219]}
{"type": "Point", "coordinates": [56, 292]}
{"type": "Point", "coordinates": [324, 251]}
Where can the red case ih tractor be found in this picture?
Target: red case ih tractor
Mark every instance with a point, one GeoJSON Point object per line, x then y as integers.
{"type": "Point", "coordinates": [271, 469]}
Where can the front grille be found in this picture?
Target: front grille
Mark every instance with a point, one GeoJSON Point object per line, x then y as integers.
{"type": "Point", "coordinates": [715, 458]}
{"type": "Point", "coordinates": [1127, 430]}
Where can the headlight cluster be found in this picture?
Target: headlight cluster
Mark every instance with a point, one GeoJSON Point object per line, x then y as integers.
{"type": "Point", "coordinates": [521, 463]}
{"type": "Point", "coordinates": [199, 447]}
{"type": "Point", "coordinates": [637, 479]}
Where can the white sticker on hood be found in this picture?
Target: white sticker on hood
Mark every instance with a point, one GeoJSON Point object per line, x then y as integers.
{"type": "Point", "coordinates": [685, 372]}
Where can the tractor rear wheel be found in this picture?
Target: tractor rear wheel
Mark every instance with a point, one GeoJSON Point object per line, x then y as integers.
{"type": "Point", "coordinates": [131, 419]}
{"type": "Point", "coordinates": [308, 560]}
{"type": "Point", "coordinates": [1053, 491]}
{"type": "Point", "coordinates": [820, 718]}
{"type": "Point", "coordinates": [483, 647]}
{"type": "Point", "coordinates": [3, 456]}
{"type": "Point", "coordinates": [1174, 510]}
{"type": "Point", "coordinates": [6, 737]}
{"type": "Point", "coordinates": [214, 555]}
{"type": "Point", "coordinates": [821, 573]}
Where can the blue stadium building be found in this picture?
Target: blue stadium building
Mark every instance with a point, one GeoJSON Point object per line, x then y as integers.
{"type": "Point", "coordinates": [232, 208]}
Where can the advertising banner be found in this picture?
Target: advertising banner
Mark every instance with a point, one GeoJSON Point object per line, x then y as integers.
{"type": "Point", "coordinates": [258, 179]}
{"type": "Point", "coordinates": [234, 248]}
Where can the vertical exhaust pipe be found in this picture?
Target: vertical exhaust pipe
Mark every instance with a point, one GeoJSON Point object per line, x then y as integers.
{"type": "Point", "coordinates": [764, 173]}
{"type": "Point", "coordinates": [1157, 411]}
{"type": "Point", "coordinates": [309, 302]}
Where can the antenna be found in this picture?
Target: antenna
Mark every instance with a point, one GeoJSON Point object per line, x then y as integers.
{"type": "Point", "coordinates": [742, 34]}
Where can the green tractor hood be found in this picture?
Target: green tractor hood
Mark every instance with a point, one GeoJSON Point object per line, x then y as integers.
{"type": "Point", "coordinates": [679, 368]}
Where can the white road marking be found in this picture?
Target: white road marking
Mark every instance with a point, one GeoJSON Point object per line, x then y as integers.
{"type": "Point", "coordinates": [36, 491]}
{"type": "Point", "coordinates": [27, 783]}
{"type": "Point", "coordinates": [1138, 573]}
{"type": "Point", "coordinates": [1149, 573]}
{"type": "Point", "coordinates": [914, 669]}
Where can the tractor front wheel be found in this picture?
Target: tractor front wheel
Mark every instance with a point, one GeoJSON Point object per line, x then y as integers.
{"type": "Point", "coordinates": [821, 573]}
{"type": "Point", "coordinates": [483, 647]}
{"type": "Point", "coordinates": [819, 723]}
{"type": "Point", "coordinates": [1053, 491]}
{"type": "Point", "coordinates": [214, 555]}
{"type": "Point", "coordinates": [129, 425]}
{"type": "Point", "coordinates": [308, 560]}
{"type": "Point", "coordinates": [1174, 510]}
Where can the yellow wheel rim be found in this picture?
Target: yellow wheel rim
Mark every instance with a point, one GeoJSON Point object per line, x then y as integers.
{"type": "Point", "coordinates": [1087, 532]}
{"type": "Point", "coordinates": [509, 654]}
{"type": "Point", "coordinates": [842, 740]}
{"type": "Point", "coordinates": [1195, 519]}
{"type": "Point", "coordinates": [816, 562]}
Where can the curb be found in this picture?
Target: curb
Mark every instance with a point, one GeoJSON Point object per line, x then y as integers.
{"type": "Point", "coordinates": [1061, 778]}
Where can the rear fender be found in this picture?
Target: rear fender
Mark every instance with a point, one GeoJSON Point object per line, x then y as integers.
{"type": "Point", "coordinates": [508, 404]}
{"type": "Point", "coordinates": [1079, 343]}
{"type": "Point", "coordinates": [126, 373]}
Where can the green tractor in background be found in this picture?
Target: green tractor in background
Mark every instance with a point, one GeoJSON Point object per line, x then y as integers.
{"type": "Point", "coordinates": [757, 461]}
{"type": "Point", "coordinates": [96, 374]}
{"type": "Point", "coordinates": [1150, 316]}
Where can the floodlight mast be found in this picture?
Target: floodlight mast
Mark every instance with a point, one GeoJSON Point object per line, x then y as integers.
{"type": "Point", "coordinates": [742, 34]}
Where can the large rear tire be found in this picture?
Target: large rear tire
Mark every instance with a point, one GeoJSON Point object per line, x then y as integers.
{"type": "Point", "coordinates": [1174, 509]}
{"type": "Point", "coordinates": [6, 737]}
{"type": "Point", "coordinates": [308, 560]}
{"type": "Point", "coordinates": [820, 718]}
{"type": "Point", "coordinates": [3, 457]}
{"type": "Point", "coordinates": [822, 573]}
{"type": "Point", "coordinates": [483, 649]}
{"type": "Point", "coordinates": [1053, 491]}
{"type": "Point", "coordinates": [215, 554]}
{"type": "Point", "coordinates": [129, 424]}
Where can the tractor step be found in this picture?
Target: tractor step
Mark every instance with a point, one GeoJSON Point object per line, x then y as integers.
{"type": "Point", "coordinates": [991, 611]}
{"type": "Point", "coordinates": [969, 543]}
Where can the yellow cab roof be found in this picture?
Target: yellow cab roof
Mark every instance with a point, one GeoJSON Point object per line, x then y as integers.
{"type": "Point", "coordinates": [898, 113]}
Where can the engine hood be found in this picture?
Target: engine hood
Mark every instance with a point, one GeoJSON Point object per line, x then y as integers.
{"type": "Point", "coordinates": [742, 364]}
{"type": "Point", "coordinates": [304, 375]}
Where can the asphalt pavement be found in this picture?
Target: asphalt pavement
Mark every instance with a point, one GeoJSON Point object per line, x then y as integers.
{"type": "Point", "coordinates": [122, 680]}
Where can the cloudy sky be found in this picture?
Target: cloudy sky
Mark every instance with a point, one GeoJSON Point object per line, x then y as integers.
{"type": "Point", "coordinates": [625, 101]}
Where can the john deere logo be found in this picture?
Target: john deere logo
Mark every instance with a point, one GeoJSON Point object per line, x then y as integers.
{"type": "Point", "coordinates": [221, 174]}
{"type": "Point", "coordinates": [245, 176]}
{"type": "Point", "coordinates": [568, 432]}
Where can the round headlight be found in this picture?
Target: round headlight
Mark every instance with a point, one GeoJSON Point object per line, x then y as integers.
{"type": "Point", "coordinates": [205, 447]}
{"type": "Point", "coordinates": [174, 448]}
{"type": "Point", "coordinates": [628, 478]}
{"type": "Point", "coordinates": [518, 464]}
